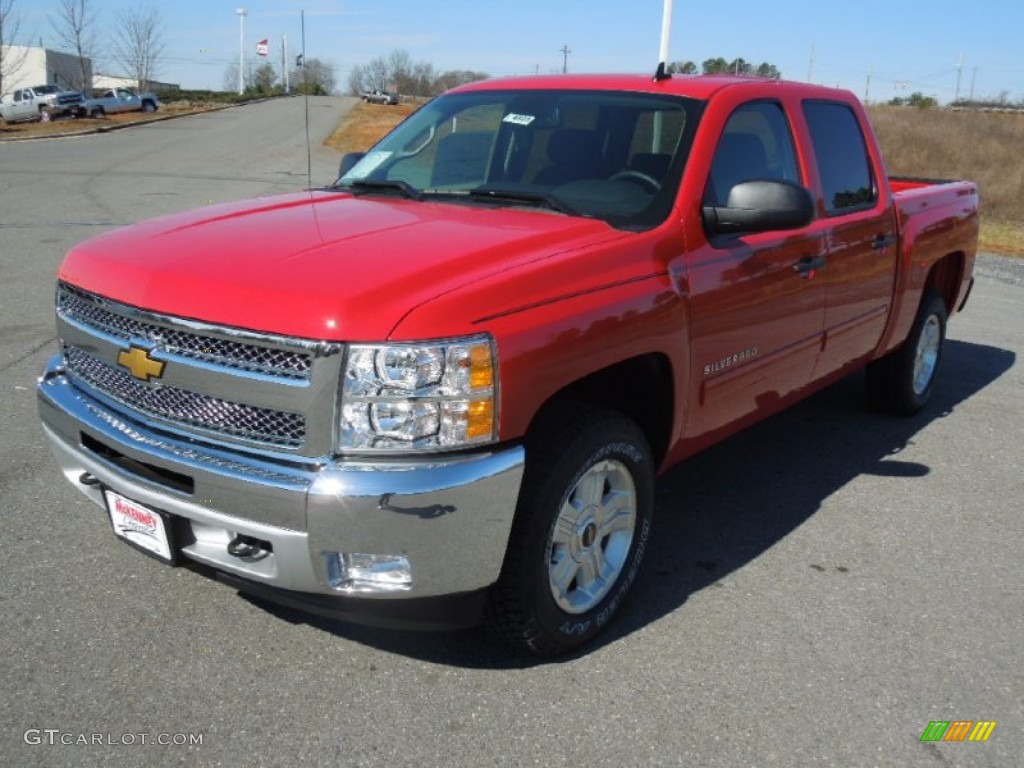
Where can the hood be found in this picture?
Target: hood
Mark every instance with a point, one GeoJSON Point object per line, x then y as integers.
{"type": "Point", "coordinates": [318, 265]}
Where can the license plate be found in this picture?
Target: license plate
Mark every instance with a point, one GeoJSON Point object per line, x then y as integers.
{"type": "Point", "coordinates": [144, 528]}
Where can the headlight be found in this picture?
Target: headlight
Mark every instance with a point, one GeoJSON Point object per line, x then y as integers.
{"type": "Point", "coordinates": [431, 396]}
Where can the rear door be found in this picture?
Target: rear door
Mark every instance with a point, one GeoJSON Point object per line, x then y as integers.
{"type": "Point", "coordinates": [860, 237]}
{"type": "Point", "coordinates": [22, 105]}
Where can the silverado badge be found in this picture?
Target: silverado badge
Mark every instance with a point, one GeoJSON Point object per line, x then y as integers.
{"type": "Point", "coordinates": [141, 365]}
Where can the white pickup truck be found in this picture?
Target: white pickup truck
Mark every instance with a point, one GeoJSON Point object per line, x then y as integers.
{"type": "Point", "coordinates": [115, 100]}
{"type": "Point", "coordinates": [41, 102]}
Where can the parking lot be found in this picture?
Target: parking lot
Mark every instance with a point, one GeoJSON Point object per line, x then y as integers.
{"type": "Point", "coordinates": [819, 588]}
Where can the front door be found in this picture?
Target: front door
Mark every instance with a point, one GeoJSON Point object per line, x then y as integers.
{"type": "Point", "coordinates": [757, 303]}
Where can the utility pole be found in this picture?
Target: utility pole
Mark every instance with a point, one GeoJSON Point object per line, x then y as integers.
{"type": "Point", "coordinates": [565, 57]}
{"type": "Point", "coordinates": [867, 88]}
{"type": "Point", "coordinates": [959, 71]}
{"type": "Point", "coordinates": [810, 67]}
{"type": "Point", "coordinates": [241, 49]}
{"type": "Point", "coordinates": [666, 31]}
{"type": "Point", "coordinates": [284, 61]}
{"type": "Point", "coordinates": [974, 76]}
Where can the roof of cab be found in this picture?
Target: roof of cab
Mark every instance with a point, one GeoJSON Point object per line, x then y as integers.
{"type": "Point", "coordinates": [694, 86]}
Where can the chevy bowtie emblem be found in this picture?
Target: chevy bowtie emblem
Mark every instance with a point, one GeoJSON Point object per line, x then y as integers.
{"type": "Point", "coordinates": [142, 366]}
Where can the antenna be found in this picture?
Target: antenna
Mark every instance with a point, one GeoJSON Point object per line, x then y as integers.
{"type": "Point", "coordinates": [305, 88]}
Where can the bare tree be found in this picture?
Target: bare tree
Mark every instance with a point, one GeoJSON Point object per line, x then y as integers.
{"type": "Point", "coordinates": [377, 74]}
{"type": "Point", "coordinates": [264, 78]}
{"type": "Point", "coordinates": [400, 68]}
{"type": "Point", "coordinates": [10, 59]}
{"type": "Point", "coordinates": [138, 43]}
{"type": "Point", "coordinates": [231, 78]}
{"type": "Point", "coordinates": [314, 77]}
{"type": "Point", "coordinates": [355, 80]}
{"type": "Point", "coordinates": [75, 27]}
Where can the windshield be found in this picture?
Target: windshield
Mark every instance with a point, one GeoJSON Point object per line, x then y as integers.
{"type": "Point", "coordinates": [610, 155]}
{"type": "Point", "coordinates": [42, 90]}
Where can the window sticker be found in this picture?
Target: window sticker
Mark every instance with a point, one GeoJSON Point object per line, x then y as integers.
{"type": "Point", "coordinates": [368, 165]}
{"type": "Point", "coordinates": [518, 119]}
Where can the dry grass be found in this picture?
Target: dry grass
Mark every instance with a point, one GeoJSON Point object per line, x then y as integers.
{"type": "Point", "coordinates": [86, 124]}
{"type": "Point", "coordinates": [983, 147]}
{"type": "Point", "coordinates": [366, 124]}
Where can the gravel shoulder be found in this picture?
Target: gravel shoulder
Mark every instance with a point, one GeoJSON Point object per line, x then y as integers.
{"type": "Point", "coordinates": [1005, 269]}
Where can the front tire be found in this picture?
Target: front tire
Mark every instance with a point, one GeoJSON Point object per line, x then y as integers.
{"type": "Point", "coordinates": [582, 524]}
{"type": "Point", "coordinates": [902, 382]}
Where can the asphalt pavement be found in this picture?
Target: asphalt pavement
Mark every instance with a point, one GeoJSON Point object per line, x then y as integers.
{"type": "Point", "coordinates": [820, 587]}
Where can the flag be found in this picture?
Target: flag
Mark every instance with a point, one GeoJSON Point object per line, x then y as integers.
{"type": "Point", "coordinates": [263, 48]}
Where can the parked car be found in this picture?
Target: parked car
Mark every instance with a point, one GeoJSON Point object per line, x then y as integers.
{"type": "Point", "coordinates": [41, 102]}
{"type": "Point", "coordinates": [380, 97]}
{"type": "Point", "coordinates": [442, 387]}
{"type": "Point", "coordinates": [116, 100]}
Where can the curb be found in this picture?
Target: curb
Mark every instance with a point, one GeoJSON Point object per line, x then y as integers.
{"type": "Point", "coordinates": [122, 126]}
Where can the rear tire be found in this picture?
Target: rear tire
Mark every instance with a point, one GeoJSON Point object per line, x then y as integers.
{"type": "Point", "coordinates": [97, 113]}
{"type": "Point", "coordinates": [902, 382]}
{"type": "Point", "coordinates": [582, 524]}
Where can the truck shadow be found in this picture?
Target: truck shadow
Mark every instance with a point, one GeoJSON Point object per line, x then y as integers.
{"type": "Point", "coordinates": [722, 508]}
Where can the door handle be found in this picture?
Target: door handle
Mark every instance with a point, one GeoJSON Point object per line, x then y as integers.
{"type": "Point", "coordinates": [882, 242]}
{"type": "Point", "coordinates": [808, 266]}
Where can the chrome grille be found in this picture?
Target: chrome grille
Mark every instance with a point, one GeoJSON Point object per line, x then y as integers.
{"type": "Point", "coordinates": [95, 312]}
{"type": "Point", "coordinates": [211, 414]}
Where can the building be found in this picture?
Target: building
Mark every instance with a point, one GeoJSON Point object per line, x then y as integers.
{"type": "Point", "coordinates": [25, 66]}
{"type": "Point", "coordinates": [103, 82]}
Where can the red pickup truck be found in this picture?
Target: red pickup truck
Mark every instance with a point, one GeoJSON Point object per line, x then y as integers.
{"type": "Point", "coordinates": [441, 388]}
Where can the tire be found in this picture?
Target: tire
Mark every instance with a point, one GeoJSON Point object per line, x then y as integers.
{"type": "Point", "coordinates": [97, 113]}
{"type": "Point", "coordinates": [45, 115]}
{"type": "Point", "coordinates": [148, 106]}
{"type": "Point", "coordinates": [582, 524]}
{"type": "Point", "coordinates": [902, 382]}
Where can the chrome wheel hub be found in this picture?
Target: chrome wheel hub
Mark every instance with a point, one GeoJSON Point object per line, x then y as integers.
{"type": "Point", "coordinates": [926, 357]}
{"type": "Point", "coordinates": [591, 537]}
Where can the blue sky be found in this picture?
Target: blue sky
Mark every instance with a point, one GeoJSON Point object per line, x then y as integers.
{"type": "Point", "coordinates": [905, 45]}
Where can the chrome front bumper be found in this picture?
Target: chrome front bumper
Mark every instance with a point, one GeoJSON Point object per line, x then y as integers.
{"type": "Point", "coordinates": [449, 516]}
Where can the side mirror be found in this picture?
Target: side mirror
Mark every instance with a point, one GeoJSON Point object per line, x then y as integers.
{"type": "Point", "coordinates": [761, 206]}
{"type": "Point", "coordinates": [349, 161]}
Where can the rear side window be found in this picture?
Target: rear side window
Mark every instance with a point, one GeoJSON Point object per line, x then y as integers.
{"type": "Point", "coordinates": [846, 178]}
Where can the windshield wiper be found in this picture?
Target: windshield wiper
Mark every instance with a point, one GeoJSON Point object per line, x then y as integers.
{"type": "Point", "coordinates": [406, 189]}
{"type": "Point", "coordinates": [524, 196]}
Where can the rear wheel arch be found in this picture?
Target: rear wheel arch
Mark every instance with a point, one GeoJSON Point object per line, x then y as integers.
{"type": "Point", "coordinates": [945, 278]}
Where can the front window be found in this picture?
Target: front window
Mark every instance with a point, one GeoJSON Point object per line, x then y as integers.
{"type": "Point", "coordinates": [45, 90]}
{"type": "Point", "coordinates": [606, 155]}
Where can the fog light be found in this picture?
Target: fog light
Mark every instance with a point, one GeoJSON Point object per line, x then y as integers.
{"type": "Point", "coordinates": [359, 572]}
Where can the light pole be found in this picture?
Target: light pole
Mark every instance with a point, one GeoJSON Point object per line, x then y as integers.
{"type": "Point", "coordinates": [241, 48]}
